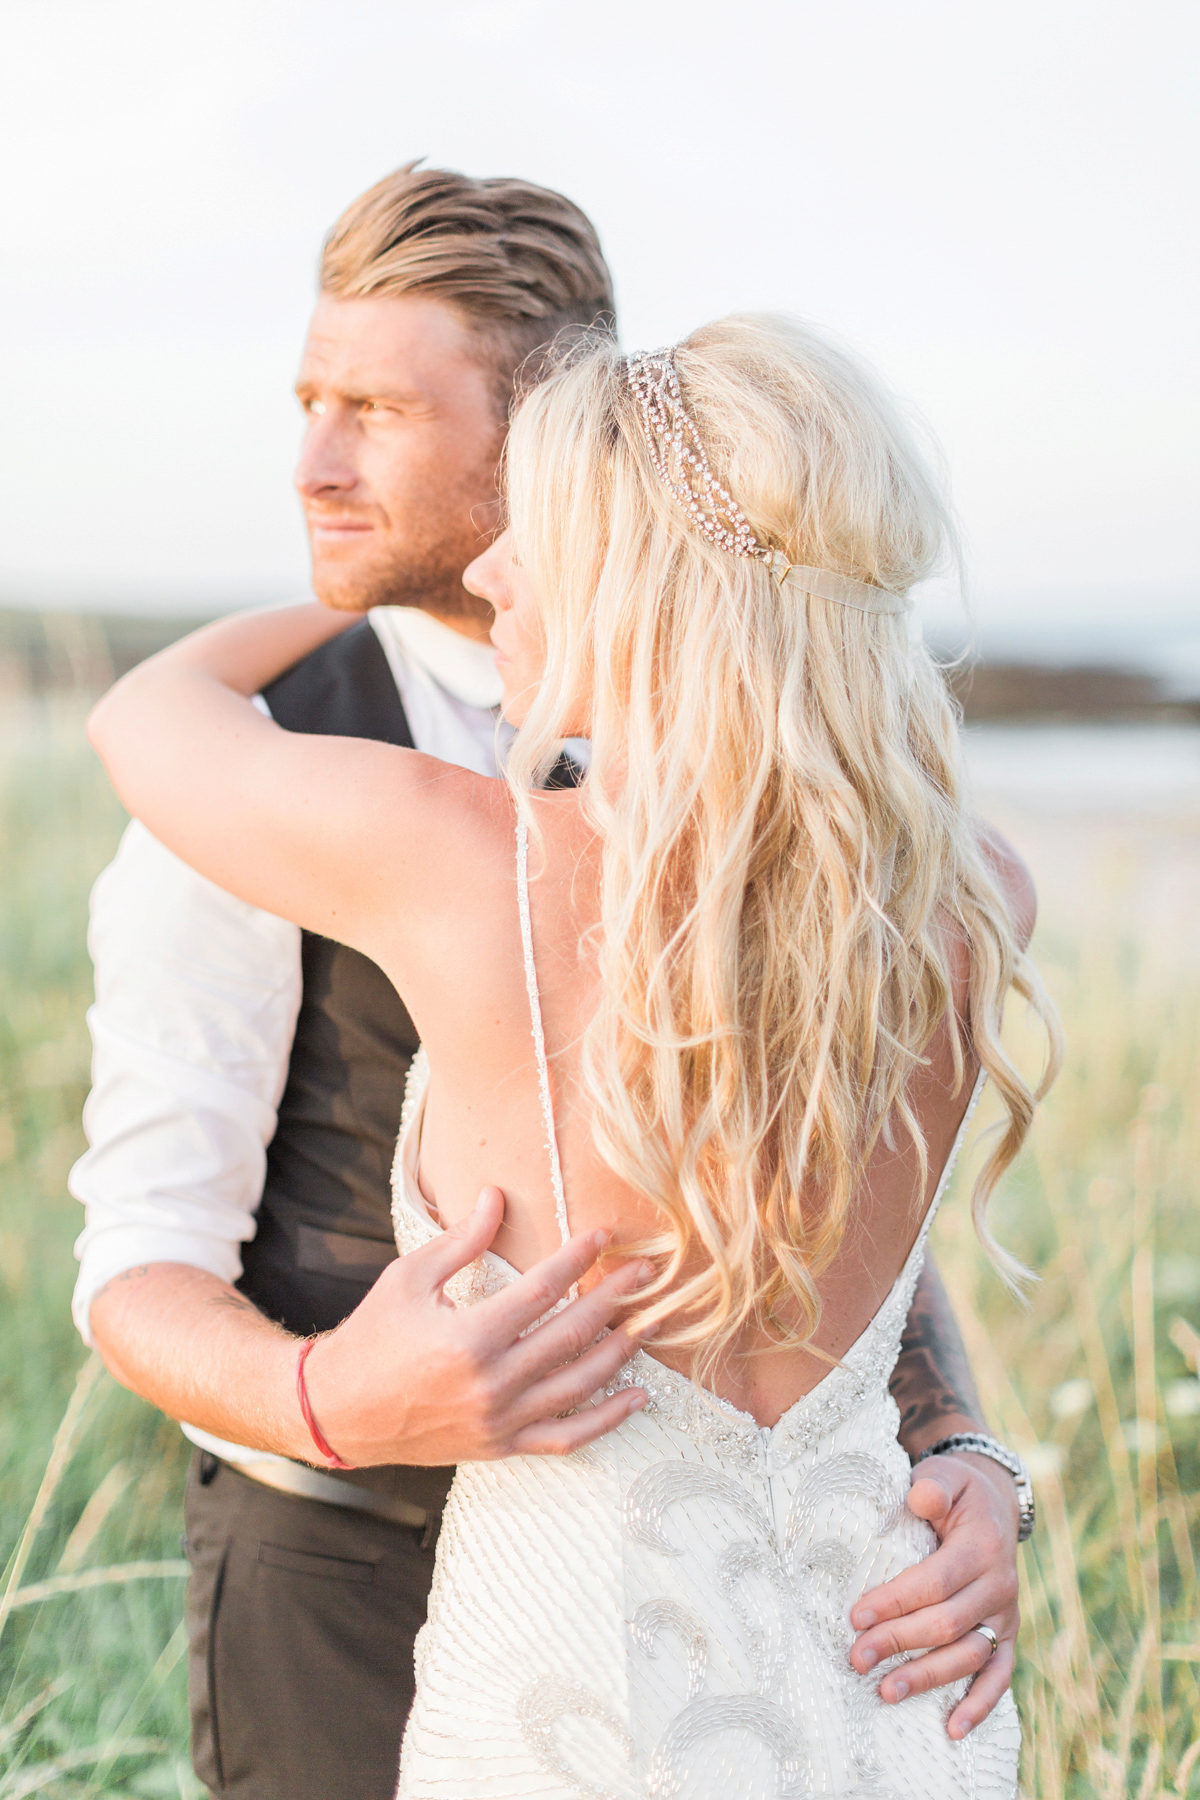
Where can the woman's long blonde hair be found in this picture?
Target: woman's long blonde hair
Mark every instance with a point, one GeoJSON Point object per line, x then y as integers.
{"type": "Point", "coordinates": [776, 781]}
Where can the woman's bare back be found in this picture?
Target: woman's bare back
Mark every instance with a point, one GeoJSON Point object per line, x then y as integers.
{"type": "Point", "coordinates": [483, 1121]}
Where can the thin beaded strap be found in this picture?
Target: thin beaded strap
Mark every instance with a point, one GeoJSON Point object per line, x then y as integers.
{"type": "Point", "coordinates": [539, 1038]}
{"type": "Point", "coordinates": [948, 1166]}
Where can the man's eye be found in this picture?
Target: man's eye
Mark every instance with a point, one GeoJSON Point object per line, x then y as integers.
{"type": "Point", "coordinates": [315, 408]}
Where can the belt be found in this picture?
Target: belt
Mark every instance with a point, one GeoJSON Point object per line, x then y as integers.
{"type": "Point", "coordinates": [320, 1484]}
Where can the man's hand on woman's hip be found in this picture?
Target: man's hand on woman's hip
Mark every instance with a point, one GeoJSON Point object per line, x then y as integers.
{"type": "Point", "coordinates": [938, 1605]}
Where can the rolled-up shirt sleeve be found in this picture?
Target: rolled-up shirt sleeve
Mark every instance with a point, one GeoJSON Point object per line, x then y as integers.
{"type": "Point", "coordinates": [196, 1003]}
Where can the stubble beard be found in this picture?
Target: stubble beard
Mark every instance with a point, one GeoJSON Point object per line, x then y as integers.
{"type": "Point", "coordinates": [425, 567]}
{"type": "Point", "coordinates": [431, 580]}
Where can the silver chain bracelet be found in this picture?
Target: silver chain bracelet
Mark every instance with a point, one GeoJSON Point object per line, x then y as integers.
{"type": "Point", "coordinates": [977, 1443]}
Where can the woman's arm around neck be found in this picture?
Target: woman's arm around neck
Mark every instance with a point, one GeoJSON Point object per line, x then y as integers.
{"type": "Point", "coordinates": [332, 833]}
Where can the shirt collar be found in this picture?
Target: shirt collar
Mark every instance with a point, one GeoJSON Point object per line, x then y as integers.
{"type": "Point", "coordinates": [465, 668]}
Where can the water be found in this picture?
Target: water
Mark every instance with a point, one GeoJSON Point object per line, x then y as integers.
{"type": "Point", "coordinates": [1107, 817]}
{"type": "Point", "coordinates": [1145, 770]}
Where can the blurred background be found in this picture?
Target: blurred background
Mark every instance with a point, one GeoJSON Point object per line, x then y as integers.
{"type": "Point", "coordinates": [997, 205]}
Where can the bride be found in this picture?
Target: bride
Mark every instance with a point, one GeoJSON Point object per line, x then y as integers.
{"type": "Point", "coordinates": [730, 1001]}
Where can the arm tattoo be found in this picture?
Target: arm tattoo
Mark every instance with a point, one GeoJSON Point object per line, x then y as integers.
{"type": "Point", "coordinates": [234, 1301]}
{"type": "Point", "coordinates": [119, 1280]}
{"type": "Point", "coordinates": [932, 1379]}
{"type": "Point", "coordinates": [228, 1297]}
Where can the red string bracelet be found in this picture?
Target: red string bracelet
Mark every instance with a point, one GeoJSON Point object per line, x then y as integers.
{"type": "Point", "coordinates": [331, 1456]}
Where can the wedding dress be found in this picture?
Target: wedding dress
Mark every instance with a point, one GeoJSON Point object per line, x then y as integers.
{"type": "Point", "coordinates": [664, 1614]}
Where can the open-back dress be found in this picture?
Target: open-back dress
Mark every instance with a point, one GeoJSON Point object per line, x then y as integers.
{"type": "Point", "coordinates": [664, 1615]}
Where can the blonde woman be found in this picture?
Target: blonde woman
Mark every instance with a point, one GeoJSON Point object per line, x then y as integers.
{"type": "Point", "coordinates": [728, 1003]}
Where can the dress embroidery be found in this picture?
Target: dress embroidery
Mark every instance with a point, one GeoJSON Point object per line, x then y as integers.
{"type": "Point", "coordinates": [665, 1615]}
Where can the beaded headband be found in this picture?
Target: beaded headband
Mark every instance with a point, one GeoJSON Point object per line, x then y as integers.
{"type": "Point", "coordinates": [684, 469]}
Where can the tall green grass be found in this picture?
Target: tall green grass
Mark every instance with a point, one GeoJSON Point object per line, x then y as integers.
{"type": "Point", "coordinates": [1093, 1379]}
{"type": "Point", "coordinates": [1096, 1380]}
{"type": "Point", "coordinates": [92, 1696]}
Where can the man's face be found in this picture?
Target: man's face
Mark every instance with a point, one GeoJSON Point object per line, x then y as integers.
{"type": "Point", "coordinates": [397, 475]}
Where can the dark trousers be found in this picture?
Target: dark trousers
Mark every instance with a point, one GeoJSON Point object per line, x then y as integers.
{"type": "Point", "coordinates": [301, 1618]}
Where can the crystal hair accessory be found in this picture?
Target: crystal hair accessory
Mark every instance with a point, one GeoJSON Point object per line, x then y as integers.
{"type": "Point", "coordinates": [684, 469]}
{"type": "Point", "coordinates": [678, 456]}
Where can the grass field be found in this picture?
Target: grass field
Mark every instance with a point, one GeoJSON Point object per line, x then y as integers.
{"type": "Point", "coordinates": [1093, 1380]}
{"type": "Point", "coordinates": [1096, 1380]}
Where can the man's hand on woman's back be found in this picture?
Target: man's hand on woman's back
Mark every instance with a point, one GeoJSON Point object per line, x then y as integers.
{"type": "Point", "coordinates": [407, 1378]}
{"type": "Point", "coordinates": [411, 1378]}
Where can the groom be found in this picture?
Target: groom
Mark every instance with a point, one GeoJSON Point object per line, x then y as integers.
{"type": "Point", "coordinates": [248, 1083]}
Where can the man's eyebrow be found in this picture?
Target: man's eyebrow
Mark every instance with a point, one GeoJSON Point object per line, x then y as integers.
{"type": "Point", "coordinates": [358, 393]}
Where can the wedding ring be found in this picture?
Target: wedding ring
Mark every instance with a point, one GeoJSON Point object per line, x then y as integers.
{"type": "Point", "coordinates": [987, 1632]}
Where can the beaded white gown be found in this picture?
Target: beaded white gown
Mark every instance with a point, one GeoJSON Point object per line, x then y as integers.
{"type": "Point", "coordinates": [665, 1614]}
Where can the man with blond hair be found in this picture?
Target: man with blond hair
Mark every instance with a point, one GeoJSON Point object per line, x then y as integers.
{"type": "Point", "coordinates": [249, 1080]}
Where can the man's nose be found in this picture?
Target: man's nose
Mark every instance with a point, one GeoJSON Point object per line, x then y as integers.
{"type": "Point", "coordinates": [326, 464]}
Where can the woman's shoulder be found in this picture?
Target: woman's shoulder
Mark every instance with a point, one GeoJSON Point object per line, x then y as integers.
{"type": "Point", "coordinates": [1015, 883]}
{"type": "Point", "coordinates": [1012, 877]}
{"type": "Point", "coordinates": [446, 805]}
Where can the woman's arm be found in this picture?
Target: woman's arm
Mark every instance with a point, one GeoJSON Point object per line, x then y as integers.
{"type": "Point", "coordinates": [244, 652]}
{"type": "Point", "coordinates": [312, 828]}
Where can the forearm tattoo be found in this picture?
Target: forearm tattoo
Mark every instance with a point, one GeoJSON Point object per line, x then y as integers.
{"type": "Point", "coordinates": [227, 1297]}
{"type": "Point", "coordinates": [932, 1379]}
{"type": "Point", "coordinates": [234, 1301]}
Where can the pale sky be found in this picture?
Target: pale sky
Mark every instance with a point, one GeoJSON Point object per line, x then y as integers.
{"type": "Point", "coordinates": [994, 202]}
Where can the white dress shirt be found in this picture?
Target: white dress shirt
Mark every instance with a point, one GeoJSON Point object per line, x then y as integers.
{"type": "Point", "coordinates": [196, 1001]}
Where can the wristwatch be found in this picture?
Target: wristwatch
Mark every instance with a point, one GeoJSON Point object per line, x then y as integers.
{"type": "Point", "coordinates": [977, 1443]}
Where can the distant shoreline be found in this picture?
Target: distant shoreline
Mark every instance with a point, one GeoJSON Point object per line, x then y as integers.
{"type": "Point", "coordinates": [82, 652]}
{"type": "Point", "coordinates": [1029, 692]}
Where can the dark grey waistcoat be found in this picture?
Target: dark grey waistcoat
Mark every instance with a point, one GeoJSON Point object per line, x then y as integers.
{"type": "Point", "coordinates": [324, 1226]}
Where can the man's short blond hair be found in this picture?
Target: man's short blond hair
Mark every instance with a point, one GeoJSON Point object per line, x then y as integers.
{"type": "Point", "coordinates": [520, 262]}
